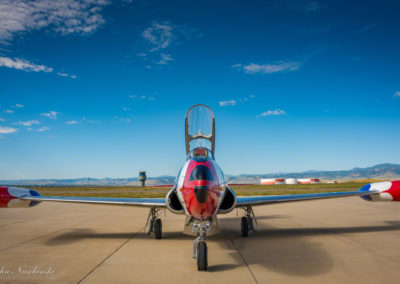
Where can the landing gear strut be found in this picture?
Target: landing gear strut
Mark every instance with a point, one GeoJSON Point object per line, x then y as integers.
{"type": "Point", "coordinates": [155, 224]}
{"type": "Point", "coordinates": [248, 222]}
{"type": "Point", "coordinates": [199, 244]}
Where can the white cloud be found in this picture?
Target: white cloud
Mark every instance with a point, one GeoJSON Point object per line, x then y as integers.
{"type": "Point", "coordinates": [227, 103]}
{"type": "Point", "coordinates": [51, 114]}
{"type": "Point", "coordinates": [42, 129]}
{"type": "Point", "coordinates": [62, 16]}
{"type": "Point", "coordinates": [126, 108]}
{"type": "Point", "coordinates": [165, 58]}
{"type": "Point", "coordinates": [234, 102]}
{"type": "Point", "coordinates": [28, 123]}
{"type": "Point", "coordinates": [159, 35]}
{"type": "Point", "coordinates": [139, 97]}
{"type": "Point", "coordinates": [396, 94]}
{"type": "Point", "coordinates": [66, 75]}
{"type": "Point", "coordinates": [275, 112]}
{"type": "Point", "coordinates": [7, 130]}
{"type": "Point", "coordinates": [8, 111]}
{"type": "Point", "coordinates": [24, 65]}
{"type": "Point", "coordinates": [268, 68]}
{"type": "Point", "coordinates": [18, 105]}
{"type": "Point", "coordinates": [72, 122]}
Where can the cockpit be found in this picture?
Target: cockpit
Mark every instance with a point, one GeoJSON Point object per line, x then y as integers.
{"type": "Point", "coordinates": [200, 132]}
{"type": "Point", "coordinates": [201, 154]}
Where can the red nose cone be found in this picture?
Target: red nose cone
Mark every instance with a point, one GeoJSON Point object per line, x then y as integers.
{"type": "Point", "coordinates": [201, 190]}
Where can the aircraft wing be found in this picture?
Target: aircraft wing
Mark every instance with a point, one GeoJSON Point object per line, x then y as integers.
{"type": "Point", "coordinates": [270, 199]}
{"type": "Point", "coordinates": [23, 197]}
{"type": "Point", "coordinates": [144, 202]}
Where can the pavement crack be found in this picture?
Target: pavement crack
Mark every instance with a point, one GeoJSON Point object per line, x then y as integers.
{"type": "Point", "coordinates": [110, 255]}
{"type": "Point", "coordinates": [241, 255]}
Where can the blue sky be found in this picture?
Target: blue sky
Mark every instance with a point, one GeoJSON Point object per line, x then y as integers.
{"type": "Point", "coordinates": [99, 88]}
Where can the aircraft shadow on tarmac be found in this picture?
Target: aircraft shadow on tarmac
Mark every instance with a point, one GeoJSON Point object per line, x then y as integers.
{"type": "Point", "coordinates": [287, 251]}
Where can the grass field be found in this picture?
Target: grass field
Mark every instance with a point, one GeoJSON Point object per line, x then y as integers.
{"type": "Point", "coordinates": [156, 192]}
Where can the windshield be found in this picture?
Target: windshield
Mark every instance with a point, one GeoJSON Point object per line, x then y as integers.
{"type": "Point", "coordinates": [199, 128]}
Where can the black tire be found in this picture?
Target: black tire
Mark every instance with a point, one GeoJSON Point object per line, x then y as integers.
{"type": "Point", "coordinates": [158, 229]}
{"type": "Point", "coordinates": [245, 227]}
{"type": "Point", "coordinates": [202, 262]}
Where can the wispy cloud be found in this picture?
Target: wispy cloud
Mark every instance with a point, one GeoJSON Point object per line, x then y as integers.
{"type": "Point", "coordinates": [141, 97]}
{"type": "Point", "coordinates": [159, 35]}
{"type": "Point", "coordinates": [7, 130]}
{"type": "Point", "coordinates": [19, 105]}
{"type": "Point", "coordinates": [28, 123]}
{"type": "Point", "coordinates": [227, 103]}
{"type": "Point", "coordinates": [83, 120]}
{"type": "Point", "coordinates": [66, 75]}
{"type": "Point", "coordinates": [65, 17]}
{"type": "Point", "coordinates": [165, 58]}
{"type": "Point", "coordinates": [275, 112]}
{"type": "Point", "coordinates": [280, 66]}
{"type": "Point", "coordinates": [42, 129]}
{"type": "Point", "coordinates": [235, 101]}
{"type": "Point", "coordinates": [8, 111]}
{"type": "Point", "coordinates": [24, 65]}
{"type": "Point", "coordinates": [2, 119]}
{"type": "Point", "coordinates": [396, 94]}
{"type": "Point", "coordinates": [51, 114]}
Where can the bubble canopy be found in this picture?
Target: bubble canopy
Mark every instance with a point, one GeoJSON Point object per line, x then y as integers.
{"type": "Point", "coordinates": [199, 128]}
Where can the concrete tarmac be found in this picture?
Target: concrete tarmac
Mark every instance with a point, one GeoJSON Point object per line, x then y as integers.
{"type": "Point", "coordinates": [344, 240]}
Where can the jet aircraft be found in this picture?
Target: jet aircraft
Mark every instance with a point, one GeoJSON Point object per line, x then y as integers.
{"type": "Point", "coordinates": [200, 192]}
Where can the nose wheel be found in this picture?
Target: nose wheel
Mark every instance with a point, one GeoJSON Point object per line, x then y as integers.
{"type": "Point", "coordinates": [202, 261]}
{"type": "Point", "coordinates": [199, 245]}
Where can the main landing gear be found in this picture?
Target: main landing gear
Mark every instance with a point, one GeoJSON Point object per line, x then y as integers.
{"type": "Point", "coordinates": [248, 222]}
{"type": "Point", "coordinates": [199, 244]}
{"type": "Point", "coordinates": [155, 225]}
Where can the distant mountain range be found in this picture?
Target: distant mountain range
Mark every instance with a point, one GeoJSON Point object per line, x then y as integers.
{"type": "Point", "coordinates": [381, 171]}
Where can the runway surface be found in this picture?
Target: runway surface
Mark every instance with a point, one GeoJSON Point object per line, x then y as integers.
{"type": "Point", "coordinates": [344, 240]}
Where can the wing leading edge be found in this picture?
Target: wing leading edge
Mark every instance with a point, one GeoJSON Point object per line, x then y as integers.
{"type": "Point", "coordinates": [262, 200]}
{"type": "Point", "coordinates": [144, 202]}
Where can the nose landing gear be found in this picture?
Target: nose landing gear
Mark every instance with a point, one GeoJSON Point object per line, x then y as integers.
{"type": "Point", "coordinates": [199, 245]}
